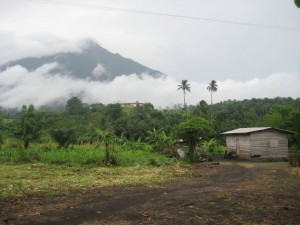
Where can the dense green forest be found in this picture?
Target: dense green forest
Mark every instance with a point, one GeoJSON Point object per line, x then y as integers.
{"type": "Point", "coordinates": [143, 127]}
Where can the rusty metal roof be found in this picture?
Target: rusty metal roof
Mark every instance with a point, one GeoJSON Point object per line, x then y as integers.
{"type": "Point", "coordinates": [253, 129]}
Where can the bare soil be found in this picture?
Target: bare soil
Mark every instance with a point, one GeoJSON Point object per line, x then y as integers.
{"type": "Point", "coordinates": [232, 192]}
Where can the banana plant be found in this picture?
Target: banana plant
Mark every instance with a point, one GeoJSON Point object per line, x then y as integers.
{"type": "Point", "coordinates": [157, 138]}
{"type": "Point", "coordinates": [107, 139]}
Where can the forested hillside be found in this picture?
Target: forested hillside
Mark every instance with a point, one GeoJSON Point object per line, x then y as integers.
{"type": "Point", "coordinates": [139, 122]}
{"type": "Point", "coordinates": [282, 113]}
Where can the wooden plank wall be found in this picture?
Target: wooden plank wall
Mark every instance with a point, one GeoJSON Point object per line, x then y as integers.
{"type": "Point", "coordinates": [231, 143]}
{"type": "Point", "coordinates": [269, 144]}
{"type": "Point", "coordinates": [239, 144]}
{"type": "Point", "coordinates": [243, 146]}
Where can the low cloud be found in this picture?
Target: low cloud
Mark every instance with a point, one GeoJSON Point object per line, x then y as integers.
{"type": "Point", "coordinates": [15, 47]}
{"type": "Point", "coordinates": [19, 86]}
{"type": "Point", "coordinates": [99, 71]}
{"type": "Point", "coordinates": [274, 85]}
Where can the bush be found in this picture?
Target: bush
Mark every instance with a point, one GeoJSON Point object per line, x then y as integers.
{"type": "Point", "coordinates": [64, 136]}
{"type": "Point", "coordinates": [136, 146]}
{"type": "Point", "coordinates": [82, 155]}
{"type": "Point", "coordinates": [191, 131]}
{"type": "Point", "coordinates": [212, 148]}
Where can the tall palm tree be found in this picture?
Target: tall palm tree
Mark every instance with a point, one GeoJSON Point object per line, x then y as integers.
{"type": "Point", "coordinates": [185, 86]}
{"type": "Point", "coordinates": [212, 87]}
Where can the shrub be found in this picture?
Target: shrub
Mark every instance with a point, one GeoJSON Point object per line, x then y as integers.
{"type": "Point", "coordinates": [212, 148]}
{"type": "Point", "coordinates": [191, 131]}
{"type": "Point", "coordinates": [136, 146]}
{"type": "Point", "coordinates": [83, 155]}
{"type": "Point", "coordinates": [64, 136]}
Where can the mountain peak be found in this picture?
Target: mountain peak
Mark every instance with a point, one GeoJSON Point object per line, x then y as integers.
{"type": "Point", "coordinates": [93, 62]}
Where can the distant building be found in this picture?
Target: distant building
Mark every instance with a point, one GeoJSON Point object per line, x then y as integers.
{"type": "Point", "coordinates": [131, 104]}
{"type": "Point", "coordinates": [258, 142]}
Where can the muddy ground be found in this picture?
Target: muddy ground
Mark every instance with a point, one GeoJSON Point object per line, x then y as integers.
{"type": "Point", "coordinates": [232, 192]}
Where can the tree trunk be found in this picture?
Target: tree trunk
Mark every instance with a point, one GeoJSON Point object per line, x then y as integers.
{"type": "Point", "coordinates": [211, 107]}
{"type": "Point", "coordinates": [184, 105]}
{"type": "Point", "coordinates": [106, 153]}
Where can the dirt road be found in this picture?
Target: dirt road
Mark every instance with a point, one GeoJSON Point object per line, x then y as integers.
{"type": "Point", "coordinates": [229, 193]}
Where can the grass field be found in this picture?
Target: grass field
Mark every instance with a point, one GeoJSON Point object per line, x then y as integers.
{"type": "Point", "coordinates": [81, 154]}
{"type": "Point", "coordinates": [22, 179]}
{"type": "Point", "coordinates": [52, 170]}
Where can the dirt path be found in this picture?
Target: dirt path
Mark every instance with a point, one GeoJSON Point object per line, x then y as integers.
{"type": "Point", "coordinates": [229, 193]}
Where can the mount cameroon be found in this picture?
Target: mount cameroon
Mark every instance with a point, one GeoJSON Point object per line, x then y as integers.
{"type": "Point", "coordinates": [92, 63]}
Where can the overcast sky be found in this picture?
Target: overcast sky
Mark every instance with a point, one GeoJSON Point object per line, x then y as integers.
{"type": "Point", "coordinates": [247, 61]}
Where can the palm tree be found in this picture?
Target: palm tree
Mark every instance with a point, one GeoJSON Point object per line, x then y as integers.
{"type": "Point", "coordinates": [185, 86]}
{"type": "Point", "coordinates": [212, 87]}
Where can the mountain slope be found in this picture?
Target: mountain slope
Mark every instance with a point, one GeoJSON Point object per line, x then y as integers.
{"type": "Point", "coordinates": [94, 62]}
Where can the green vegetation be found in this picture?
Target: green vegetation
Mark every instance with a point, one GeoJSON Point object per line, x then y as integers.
{"type": "Point", "coordinates": [159, 140]}
{"type": "Point", "coordinates": [118, 144]}
{"type": "Point", "coordinates": [82, 155]}
{"type": "Point", "coordinates": [29, 126]}
{"type": "Point", "coordinates": [64, 136]}
{"type": "Point", "coordinates": [192, 131]}
{"type": "Point", "coordinates": [212, 148]}
{"type": "Point", "coordinates": [143, 127]}
{"type": "Point", "coordinates": [107, 139]}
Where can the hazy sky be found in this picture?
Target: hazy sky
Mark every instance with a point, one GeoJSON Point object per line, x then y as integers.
{"type": "Point", "coordinates": [247, 61]}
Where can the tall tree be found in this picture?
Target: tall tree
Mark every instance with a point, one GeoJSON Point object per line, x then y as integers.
{"type": "Point", "coordinates": [201, 109]}
{"type": "Point", "coordinates": [75, 106]}
{"type": "Point", "coordinates": [212, 87]}
{"type": "Point", "coordinates": [184, 86]}
{"type": "Point", "coordinates": [114, 111]}
{"type": "Point", "coordinates": [29, 125]}
{"type": "Point", "coordinates": [192, 131]}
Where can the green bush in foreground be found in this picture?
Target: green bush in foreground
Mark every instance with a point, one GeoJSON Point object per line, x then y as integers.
{"type": "Point", "coordinates": [81, 154]}
{"type": "Point", "coordinates": [212, 148]}
{"type": "Point", "coordinates": [191, 131]}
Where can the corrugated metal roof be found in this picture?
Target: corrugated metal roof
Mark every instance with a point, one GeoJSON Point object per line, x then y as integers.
{"type": "Point", "coordinates": [253, 129]}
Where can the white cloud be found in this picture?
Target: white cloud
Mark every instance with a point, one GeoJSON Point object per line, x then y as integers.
{"type": "Point", "coordinates": [19, 86]}
{"type": "Point", "coordinates": [99, 71]}
{"type": "Point", "coordinates": [15, 47]}
{"type": "Point", "coordinates": [274, 85]}
{"type": "Point", "coordinates": [187, 49]}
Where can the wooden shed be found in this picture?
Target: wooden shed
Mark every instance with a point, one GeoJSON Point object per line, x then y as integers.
{"type": "Point", "coordinates": [258, 143]}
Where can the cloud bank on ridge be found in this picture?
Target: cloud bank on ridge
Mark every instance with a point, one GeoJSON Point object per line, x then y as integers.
{"type": "Point", "coordinates": [19, 86]}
